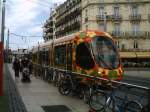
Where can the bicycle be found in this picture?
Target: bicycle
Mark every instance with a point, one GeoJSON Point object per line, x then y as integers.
{"type": "Point", "coordinates": [139, 95]}
{"type": "Point", "coordinates": [102, 99]}
{"type": "Point", "coordinates": [57, 74]}
{"type": "Point", "coordinates": [71, 84]}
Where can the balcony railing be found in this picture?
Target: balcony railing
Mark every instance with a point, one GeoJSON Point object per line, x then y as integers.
{"type": "Point", "coordinates": [75, 26]}
{"type": "Point", "coordinates": [49, 29]}
{"type": "Point", "coordinates": [49, 34]}
{"type": "Point", "coordinates": [117, 33]}
{"type": "Point", "coordinates": [68, 17]}
{"type": "Point", "coordinates": [100, 17]}
{"type": "Point", "coordinates": [138, 34]}
{"type": "Point", "coordinates": [86, 19]}
{"type": "Point", "coordinates": [136, 17]}
{"type": "Point", "coordinates": [109, 17]}
{"type": "Point", "coordinates": [116, 17]}
{"type": "Point", "coordinates": [141, 34]}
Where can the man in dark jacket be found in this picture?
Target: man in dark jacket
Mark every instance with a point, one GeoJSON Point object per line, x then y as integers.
{"type": "Point", "coordinates": [16, 67]}
{"type": "Point", "coordinates": [30, 66]}
{"type": "Point", "coordinates": [25, 62]}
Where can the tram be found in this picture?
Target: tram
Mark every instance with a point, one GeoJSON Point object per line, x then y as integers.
{"type": "Point", "coordinates": [90, 53]}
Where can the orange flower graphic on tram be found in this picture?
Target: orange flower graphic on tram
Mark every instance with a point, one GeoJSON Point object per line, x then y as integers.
{"type": "Point", "coordinates": [91, 34]}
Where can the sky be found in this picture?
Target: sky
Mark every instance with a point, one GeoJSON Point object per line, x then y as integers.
{"type": "Point", "coordinates": [26, 17]}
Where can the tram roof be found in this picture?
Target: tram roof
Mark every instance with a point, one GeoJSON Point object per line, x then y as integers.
{"type": "Point", "coordinates": [64, 39]}
{"type": "Point", "coordinates": [45, 44]}
{"type": "Point", "coordinates": [61, 40]}
{"type": "Point", "coordinates": [34, 49]}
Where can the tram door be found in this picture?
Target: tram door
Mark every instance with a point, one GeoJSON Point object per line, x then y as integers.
{"type": "Point", "coordinates": [69, 57]}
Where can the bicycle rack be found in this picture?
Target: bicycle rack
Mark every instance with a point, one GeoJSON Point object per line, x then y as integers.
{"type": "Point", "coordinates": [136, 92]}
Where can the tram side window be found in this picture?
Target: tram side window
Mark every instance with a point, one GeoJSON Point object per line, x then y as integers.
{"type": "Point", "coordinates": [46, 58]}
{"type": "Point", "coordinates": [40, 57]}
{"type": "Point", "coordinates": [36, 57]}
{"type": "Point", "coordinates": [83, 57]}
{"type": "Point", "coordinates": [69, 57]}
{"type": "Point", "coordinates": [60, 55]}
{"type": "Point", "coordinates": [50, 57]}
{"type": "Point", "coordinates": [43, 57]}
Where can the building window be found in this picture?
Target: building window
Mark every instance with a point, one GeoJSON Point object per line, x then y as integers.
{"type": "Point", "coordinates": [135, 29]}
{"type": "Point", "coordinates": [101, 26]}
{"type": "Point", "coordinates": [69, 57]}
{"type": "Point", "coordinates": [116, 11]}
{"type": "Point", "coordinates": [86, 27]}
{"type": "Point", "coordinates": [117, 29]}
{"type": "Point", "coordinates": [101, 10]}
{"type": "Point", "coordinates": [117, 43]}
{"type": "Point", "coordinates": [135, 46]}
{"type": "Point", "coordinates": [86, 13]}
{"type": "Point", "coordinates": [134, 10]}
{"type": "Point", "coordinates": [60, 55]}
{"type": "Point", "coordinates": [123, 46]}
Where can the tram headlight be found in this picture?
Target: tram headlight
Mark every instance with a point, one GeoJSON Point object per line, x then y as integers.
{"type": "Point", "coordinates": [99, 72]}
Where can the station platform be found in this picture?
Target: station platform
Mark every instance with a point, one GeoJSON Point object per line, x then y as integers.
{"type": "Point", "coordinates": [40, 96]}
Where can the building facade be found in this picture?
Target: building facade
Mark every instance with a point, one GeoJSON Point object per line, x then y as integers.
{"type": "Point", "coordinates": [68, 18]}
{"type": "Point", "coordinates": [64, 20]}
{"type": "Point", "coordinates": [48, 29]}
{"type": "Point", "coordinates": [128, 21]}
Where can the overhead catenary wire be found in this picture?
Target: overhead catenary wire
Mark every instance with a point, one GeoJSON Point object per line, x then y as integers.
{"type": "Point", "coordinates": [25, 35]}
{"type": "Point", "coordinates": [42, 4]}
{"type": "Point", "coordinates": [45, 5]}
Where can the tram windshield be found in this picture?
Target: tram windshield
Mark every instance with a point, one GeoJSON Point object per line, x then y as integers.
{"type": "Point", "coordinates": [105, 52]}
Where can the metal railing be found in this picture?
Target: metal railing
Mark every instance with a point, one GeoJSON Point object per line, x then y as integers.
{"type": "Point", "coordinates": [109, 17]}
{"type": "Point", "coordinates": [136, 17]}
{"type": "Point", "coordinates": [100, 17]}
{"type": "Point", "coordinates": [140, 34]}
{"type": "Point", "coordinates": [116, 17]}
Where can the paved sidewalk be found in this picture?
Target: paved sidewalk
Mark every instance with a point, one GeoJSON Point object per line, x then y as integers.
{"type": "Point", "coordinates": [39, 93]}
{"type": "Point", "coordinates": [15, 103]}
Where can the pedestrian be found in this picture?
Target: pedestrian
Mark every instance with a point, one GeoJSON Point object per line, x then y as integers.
{"type": "Point", "coordinates": [21, 66]}
{"type": "Point", "coordinates": [16, 67]}
{"type": "Point", "coordinates": [30, 66]}
{"type": "Point", "coordinates": [25, 62]}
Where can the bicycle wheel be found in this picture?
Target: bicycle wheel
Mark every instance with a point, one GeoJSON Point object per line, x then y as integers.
{"type": "Point", "coordinates": [86, 94]}
{"type": "Point", "coordinates": [133, 106]}
{"type": "Point", "coordinates": [97, 101]}
{"type": "Point", "coordinates": [64, 88]}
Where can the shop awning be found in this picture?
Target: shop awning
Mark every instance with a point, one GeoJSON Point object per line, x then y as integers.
{"type": "Point", "coordinates": [144, 54]}
{"type": "Point", "coordinates": [135, 54]}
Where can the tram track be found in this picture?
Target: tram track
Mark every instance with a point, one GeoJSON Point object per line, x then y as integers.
{"type": "Point", "coordinates": [141, 81]}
